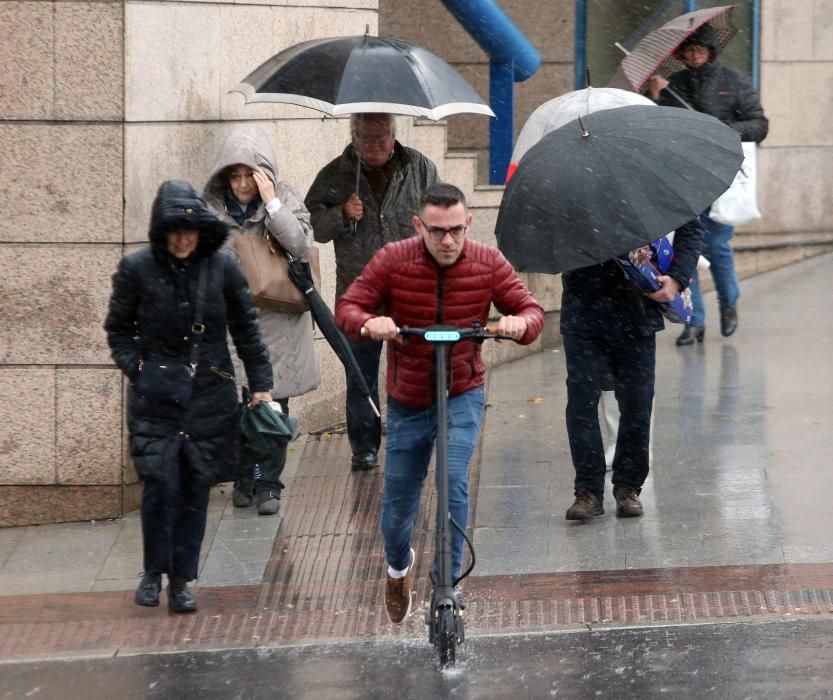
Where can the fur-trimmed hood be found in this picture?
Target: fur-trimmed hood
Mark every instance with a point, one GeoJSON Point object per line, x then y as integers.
{"type": "Point", "coordinates": [178, 205]}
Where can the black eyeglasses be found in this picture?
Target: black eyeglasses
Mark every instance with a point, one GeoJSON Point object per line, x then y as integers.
{"type": "Point", "coordinates": [438, 233]}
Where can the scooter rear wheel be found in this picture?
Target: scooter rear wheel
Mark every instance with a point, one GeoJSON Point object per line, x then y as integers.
{"type": "Point", "coordinates": [447, 637]}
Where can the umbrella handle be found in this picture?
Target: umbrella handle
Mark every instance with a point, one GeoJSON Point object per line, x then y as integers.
{"type": "Point", "coordinates": [670, 90]}
{"type": "Point", "coordinates": [373, 406]}
{"type": "Point", "coordinates": [679, 99]}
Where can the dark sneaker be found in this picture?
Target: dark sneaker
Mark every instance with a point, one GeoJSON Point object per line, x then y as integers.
{"type": "Point", "coordinates": [627, 502]}
{"type": "Point", "coordinates": [268, 502]}
{"type": "Point", "coordinates": [364, 461]}
{"type": "Point", "coordinates": [180, 599]}
{"type": "Point", "coordinates": [586, 507]}
{"type": "Point", "coordinates": [240, 498]}
{"type": "Point", "coordinates": [398, 595]}
{"type": "Point", "coordinates": [728, 320]}
{"type": "Point", "coordinates": [148, 591]}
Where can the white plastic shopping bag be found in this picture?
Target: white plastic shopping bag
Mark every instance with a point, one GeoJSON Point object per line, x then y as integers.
{"type": "Point", "coordinates": [739, 203]}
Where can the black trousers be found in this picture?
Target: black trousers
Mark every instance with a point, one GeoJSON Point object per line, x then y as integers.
{"type": "Point", "coordinates": [591, 361]}
{"type": "Point", "coordinates": [364, 428]}
{"type": "Point", "coordinates": [173, 521]}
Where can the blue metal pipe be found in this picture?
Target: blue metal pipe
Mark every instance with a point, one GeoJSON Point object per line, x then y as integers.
{"type": "Point", "coordinates": [689, 6]}
{"type": "Point", "coordinates": [497, 35]}
{"type": "Point", "coordinates": [756, 44]}
{"type": "Point", "coordinates": [502, 129]}
{"type": "Point", "coordinates": [581, 44]}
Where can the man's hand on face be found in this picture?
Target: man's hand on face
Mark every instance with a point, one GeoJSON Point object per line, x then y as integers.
{"type": "Point", "coordinates": [353, 209]}
{"type": "Point", "coordinates": [514, 326]}
{"type": "Point", "coordinates": [670, 288]}
{"type": "Point", "coordinates": [380, 328]}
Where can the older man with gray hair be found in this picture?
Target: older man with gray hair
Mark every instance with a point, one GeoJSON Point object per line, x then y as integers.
{"type": "Point", "coordinates": [390, 179]}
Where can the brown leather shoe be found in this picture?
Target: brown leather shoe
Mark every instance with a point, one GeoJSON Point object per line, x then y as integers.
{"type": "Point", "coordinates": [398, 595]}
{"type": "Point", "coordinates": [627, 502]}
{"type": "Point", "coordinates": [586, 507]}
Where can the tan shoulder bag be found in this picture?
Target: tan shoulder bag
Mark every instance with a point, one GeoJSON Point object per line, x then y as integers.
{"type": "Point", "coordinates": [267, 271]}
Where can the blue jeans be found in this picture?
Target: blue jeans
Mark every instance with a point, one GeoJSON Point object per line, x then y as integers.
{"type": "Point", "coordinates": [718, 251]}
{"type": "Point", "coordinates": [410, 442]}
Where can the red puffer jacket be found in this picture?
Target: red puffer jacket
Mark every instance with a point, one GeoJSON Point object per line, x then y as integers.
{"type": "Point", "coordinates": [405, 280]}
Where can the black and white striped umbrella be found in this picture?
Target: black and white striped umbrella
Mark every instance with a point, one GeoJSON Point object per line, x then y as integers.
{"type": "Point", "coordinates": [655, 52]}
{"type": "Point", "coordinates": [361, 74]}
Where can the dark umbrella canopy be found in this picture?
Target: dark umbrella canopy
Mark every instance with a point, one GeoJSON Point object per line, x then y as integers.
{"type": "Point", "coordinates": [612, 182]}
{"type": "Point", "coordinates": [264, 435]}
{"type": "Point", "coordinates": [656, 51]}
{"type": "Point", "coordinates": [299, 273]}
{"type": "Point", "coordinates": [349, 75]}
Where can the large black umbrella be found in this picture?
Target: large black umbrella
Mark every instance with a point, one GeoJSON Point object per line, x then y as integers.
{"type": "Point", "coordinates": [300, 274]}
{"type": "Point", "coordinates": [360, 74]}
{"type": "Point", "coordinates": [613, 181]}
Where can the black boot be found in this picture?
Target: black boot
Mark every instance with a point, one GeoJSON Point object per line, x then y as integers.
{"type": "Point", "coordinates": [179, 597]}
{"type": "Point", "coordinates": [690, 334]}
{"type": "Point", "coordinates": [728, 320]}
{"type": "Point", "coordinates": [148, 591]}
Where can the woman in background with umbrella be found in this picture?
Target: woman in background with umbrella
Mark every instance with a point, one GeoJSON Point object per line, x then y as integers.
{"type": "Point", "coordinates": [245, 193]}
{"type": "Point", "coordinates": [710, 87]}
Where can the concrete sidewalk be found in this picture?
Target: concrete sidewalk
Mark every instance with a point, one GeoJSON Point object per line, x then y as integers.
{"type": "Point", "coordinates": [737, 514]}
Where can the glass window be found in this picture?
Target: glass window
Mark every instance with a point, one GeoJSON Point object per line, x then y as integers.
{"type": "Point", "coordinates": [627, 21]}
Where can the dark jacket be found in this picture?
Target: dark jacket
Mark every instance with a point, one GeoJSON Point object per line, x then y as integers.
{"type": "Point", "coordinates": [383, 222]}
{"type": "Point", "coordinates": [405, 279]}
{"type": "Point", "coordinates": [722, 92]}
{"type": "Point", "coordinates": [599, 301]}
{"type": "Point", "coordinates": [151, 314]}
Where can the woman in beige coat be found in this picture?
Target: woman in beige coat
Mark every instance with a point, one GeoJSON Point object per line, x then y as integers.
{"type": "Point", "coordinates": [244, 191]}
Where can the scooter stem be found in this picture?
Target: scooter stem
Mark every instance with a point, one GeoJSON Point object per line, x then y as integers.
{"type": "Point", "coordinates": [444, 586]}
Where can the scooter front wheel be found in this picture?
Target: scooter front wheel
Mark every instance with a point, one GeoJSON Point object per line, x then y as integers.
{"type": "Point", "coordinates": [446, 637]}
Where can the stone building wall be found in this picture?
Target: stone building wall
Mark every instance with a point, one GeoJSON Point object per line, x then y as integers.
{"type": "Point", "coordinates": [99, 102]}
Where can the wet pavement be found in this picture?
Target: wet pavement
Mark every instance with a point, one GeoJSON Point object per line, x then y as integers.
{"type": "Point", "coordinates": [772, 660]}
{"type": "Point", "coordinates": [736, 528]}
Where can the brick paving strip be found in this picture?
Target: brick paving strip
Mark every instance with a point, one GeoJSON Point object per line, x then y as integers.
{"type": "Point", "coordinates": [325, 579]}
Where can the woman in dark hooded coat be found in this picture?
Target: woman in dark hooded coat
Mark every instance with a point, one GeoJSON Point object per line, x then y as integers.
{"type": "Point", "coordinates": [181, 444]}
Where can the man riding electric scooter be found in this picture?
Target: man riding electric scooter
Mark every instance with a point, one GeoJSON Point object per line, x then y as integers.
{"type": "Point", "coordinates": [438, 277]}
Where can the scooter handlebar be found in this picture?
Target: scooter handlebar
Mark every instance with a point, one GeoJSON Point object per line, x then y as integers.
{"type": "Point", "coordinates": [476, 332]}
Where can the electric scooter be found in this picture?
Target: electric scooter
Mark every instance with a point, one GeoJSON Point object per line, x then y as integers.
{"type": "Point", "coordinates": [446, 629]}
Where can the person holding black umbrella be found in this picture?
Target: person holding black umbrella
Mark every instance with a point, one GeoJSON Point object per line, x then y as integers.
{"type": "Point", "coordinates": [360, 201]}
{"type": "Point", "coordinates": [609, 328]}
{"type": "Point", "coordinates": [710, 87]}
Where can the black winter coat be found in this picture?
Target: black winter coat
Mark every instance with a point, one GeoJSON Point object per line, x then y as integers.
{"type": "Point", "coordinates": [151, 313]}
{"type": "Point", "coordinates": [723, 93]}
{"type": "Point", "coordinates": [599, 301]}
